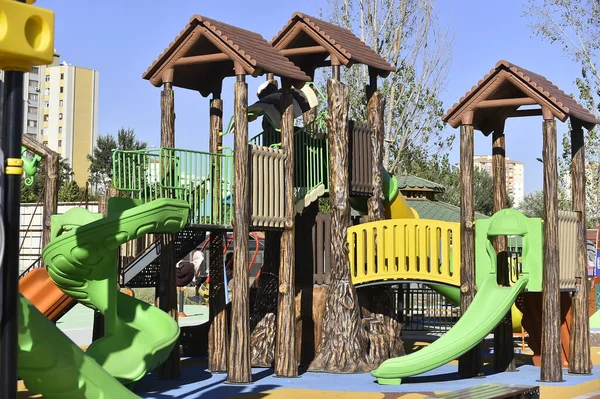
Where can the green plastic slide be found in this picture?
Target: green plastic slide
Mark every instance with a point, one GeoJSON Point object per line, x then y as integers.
{"type": "Point", "coordinates": [82, 262]}
{"type": "Point", "coordinates": [51, 364]}
{"type": "Point", "coordinates": [490, 305]}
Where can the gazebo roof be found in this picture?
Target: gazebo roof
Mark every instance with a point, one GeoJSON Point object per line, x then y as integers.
{"type": "Point", "coordinates": [308, 41]}
{"type": "Point", "coordinates": [506, 88]}
{"type": "Point", "coordinates": [206, 51]}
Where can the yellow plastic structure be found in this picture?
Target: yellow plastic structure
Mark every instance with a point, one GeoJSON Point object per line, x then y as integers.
{"type": "Point", "coordinates": [405, 249]}
{"type": "Point", "coordinates": [26, 36]}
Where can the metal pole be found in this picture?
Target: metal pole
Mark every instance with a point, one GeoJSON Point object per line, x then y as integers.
{"type": "Point", "coordinates": [12, 130]}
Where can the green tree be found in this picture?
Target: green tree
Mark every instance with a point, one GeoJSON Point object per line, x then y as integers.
{"type": "Point", "coordinates": [574, 25]}
{"type": "Point", "coordinates": [101, 158]}
{"type": "Point", "coordinates": [70, 192]}
{"type": "Point", "coordinates": [33, 192]}
{"type": "Point", "coordinates": [533, 205]}
{"type": "Point", "coordinates": [408, 35]}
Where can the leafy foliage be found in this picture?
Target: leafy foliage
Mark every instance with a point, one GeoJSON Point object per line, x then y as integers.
{"type": "Point", "coordinates": [405, 33]}
{"type": "Point", "coordinates": [101, 158]}
{"type": "Point", "coordinates": [575, 26]}
{"type": "Point", "coordinates": [68, 189]}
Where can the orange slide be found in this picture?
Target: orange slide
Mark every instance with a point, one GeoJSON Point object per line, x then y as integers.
{"type": "Point", "coordinates": [39, 289]}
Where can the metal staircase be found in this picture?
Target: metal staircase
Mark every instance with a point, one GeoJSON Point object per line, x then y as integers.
{"type": "Point", "coordinates": [143, 270]}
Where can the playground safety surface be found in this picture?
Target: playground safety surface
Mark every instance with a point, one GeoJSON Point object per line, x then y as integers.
{"type": "Point", "coordinates": [197, 382]}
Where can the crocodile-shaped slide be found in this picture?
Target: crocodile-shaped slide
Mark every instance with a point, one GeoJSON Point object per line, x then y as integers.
{"type": "Point", "coordinates": [82, 262]}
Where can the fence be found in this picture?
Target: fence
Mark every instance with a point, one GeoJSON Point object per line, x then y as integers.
{"type": "Point", "coordinates": [361, 159]}
{"type": "Point", "coordinates": [422, 309]}
{"type": "Point", "coordinates": [267, 186]}
{"type": "Point", "coordinates": [30, 230]}
{"type": "Point", "coordinates": [181, 174]}
{"type": "Point", "coordinates": [569, 237]}
{"type": "Point", "coordinates": [409, 249]}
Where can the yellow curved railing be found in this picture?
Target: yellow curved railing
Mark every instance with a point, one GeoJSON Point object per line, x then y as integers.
{"type": "Point", "coordinates": [405, 249]}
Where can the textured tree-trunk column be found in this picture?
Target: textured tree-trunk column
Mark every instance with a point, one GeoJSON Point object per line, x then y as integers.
{"type": "Point", "coordinates": [262, 320]}
{"type": "Point", "coordinates": [551, 370]}
{"type": "Point", "coordinates": [375, 109]}
{"type": "Point", "coordinates": [286, 362]}
{"type": "Point", "coordinates": [579, 356]}
{"type": "Point", "coordinates": [167, 290]}
{"type": "Point", "coordinates": [469, 364]}
{"type": "Point", "coordinates": [239, 370]}
{"type": "Point", "coordinates": [503, 334]}
{"type": "Point", "coordinates": [50, 195]}
{"type": "Point", "coordinates": [343, 340]}
{"type": "Point", "coordinates": [218, 333]}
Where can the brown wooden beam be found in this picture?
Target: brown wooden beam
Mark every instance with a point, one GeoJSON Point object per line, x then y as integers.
{"type": "Point", "coordinates": [505, 102]}
{"type": "Point", "coordinates": [303, 50]}
{"type": "Point", "coordinates": [375, 109]}
{"type": "Point", "coordinates": [218, 333]}
{"type": "Point", "coordinates": [523, 112]}
{"type": "Point", "coordinates": [202, 59]}
{"type": "Point", "coordinates": [551, 369]}
{"type": "Point", "coordinates": [286, 362]}
{"type": "Point", "coordinates": [470, 364]}
{"type": "Point", "coordinates": [579, 348]}
{"type": "Point", "coordinates": [239, 370]}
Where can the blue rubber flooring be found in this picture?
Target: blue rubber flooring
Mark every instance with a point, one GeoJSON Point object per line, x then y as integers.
{"type": "Point", "coordinates": [197, 382]}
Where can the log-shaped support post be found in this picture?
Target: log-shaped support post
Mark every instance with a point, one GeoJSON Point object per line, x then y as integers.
{"type": "Point", "coordinates": [239, 370]}
{"type": "Point", "coordinates": [218, 333]}
{"type": "Point", "coordinates": [286, 362]}
{"type": "Point", "coordinates": [375, 107]}
{"type": "Point", "coordinates": [343, 345]}
{"type": "Point", "coordinates": [579, 356]}
{"type": "Point", "coordinates": [503, 343]}
{"type": "Point", "coordinates": [469, 364]}
{"type": "Point", "coordinates": [167, 290]}
{"type": "Point", "coordinates": [551, 370]}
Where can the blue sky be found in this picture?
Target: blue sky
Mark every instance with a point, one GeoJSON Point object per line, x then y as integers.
{"type": "Point", "coordinates": [122, 38]}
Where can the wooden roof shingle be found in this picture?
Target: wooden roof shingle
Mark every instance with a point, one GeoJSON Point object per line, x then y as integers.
{"type": "Point", "coordinates": [348, 48]}
{"type": "Point", "coordinates": [525, 82]}
{"type": "Point", "coordinates": [205, 36]}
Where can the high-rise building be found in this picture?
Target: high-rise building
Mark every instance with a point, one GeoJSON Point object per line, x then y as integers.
{"type": "Point", "coordinates": [515, 175]}
{"type": "Point", "coordinates": [61, 111]}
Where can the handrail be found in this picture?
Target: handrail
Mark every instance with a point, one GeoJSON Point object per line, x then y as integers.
{"type": "Point", "coordinates": [30, 268]}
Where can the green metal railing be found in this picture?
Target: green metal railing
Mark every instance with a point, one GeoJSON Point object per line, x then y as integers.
{"type": "Point", "coordinates": [180, 174]}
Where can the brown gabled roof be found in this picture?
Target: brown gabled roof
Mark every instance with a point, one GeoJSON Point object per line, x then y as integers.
{"type": "Point", "coordinates": [339, 41]}
{"type": "Point", "coordinates": [205, 36]}
{"type": "Point", "coordinates": [508, 80]}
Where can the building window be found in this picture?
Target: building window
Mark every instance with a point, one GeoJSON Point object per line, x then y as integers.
{"type": "Point", "coordinates": [35, 70]}
{"type": "Point", "coordinates": [32, 110]}
{"type": "Point", "coordinates": [45, 142]}
{"type": "Point", "coordinates": [60, 116]}
{"type": "Point", "coordinates": [60, 129]}
{"type": "Point", "coordinates": [33, 83]}
{"type": "Point", "coordinates": [47, 78]}
{"type": "Point", "coordinates": [62, 76]}
{"type": "Point", "coordinates": [60, 103]}
{"type": "Point", "coordinates": [31, 123]}
{"type": "Point", "coordinates": [46, 118]}
{"type": "Point", "coordinates": [60, 143]}
{"type": "Point", "coordinates": [32, 97]}
{"type": "Point", "coordinates": [47, 104]}
{"type": "Point", "coordinates": [46, 91]}
{"type": "Point", "coordinates": [62, 89]}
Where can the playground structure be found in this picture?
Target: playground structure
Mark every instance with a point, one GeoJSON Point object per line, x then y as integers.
{"type": "Point", "coordinates": [271, 185]}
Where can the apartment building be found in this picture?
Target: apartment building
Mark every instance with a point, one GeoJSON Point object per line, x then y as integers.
{"type": "Point", "coordinates": [61, 111]}
{"type": "Point", "coordinates": [515, 175]}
